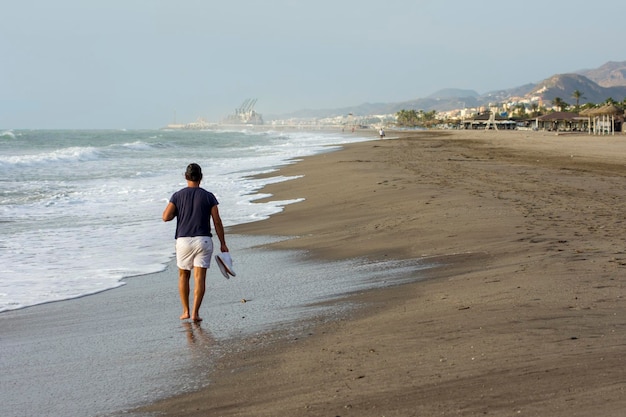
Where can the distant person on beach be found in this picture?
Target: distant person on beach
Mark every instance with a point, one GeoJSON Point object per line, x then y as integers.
{"type": "Point", "coordinates": [381, 132]}
{"type": "Point", "coordinates": [193, 207]}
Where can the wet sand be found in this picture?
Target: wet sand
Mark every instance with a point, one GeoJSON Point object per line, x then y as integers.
{"type": "Point", "coordinates": [106, 353]}
{"type": "Point", "coordinates": [525, 315]}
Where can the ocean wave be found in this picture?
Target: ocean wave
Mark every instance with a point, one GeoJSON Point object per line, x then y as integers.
{"type": "Point", "coordinates": [137, 145]}
{"type": "Point", "coordinates": [140, 145]}
{"type": "Point", "coordinates": [73, 154]}
{"type": "Point", "coordinates": [7, 134]}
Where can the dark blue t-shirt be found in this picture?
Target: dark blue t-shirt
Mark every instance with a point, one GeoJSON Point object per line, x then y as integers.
{"type": "Point", "coordinates": [193, 211]}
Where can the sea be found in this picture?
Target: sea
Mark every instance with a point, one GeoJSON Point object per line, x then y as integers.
{"type": "Point", "coordinates": [89, 308]}
{"type": "Point", "coordinates": [81, 210]}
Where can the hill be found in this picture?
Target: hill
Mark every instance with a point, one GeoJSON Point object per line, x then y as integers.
{"type": "Point", "coordinates": [596, 85]}
{"type": "Point", "coordinates": [565, 84]}
{"type": "Point", "coordinates": [611, 74]}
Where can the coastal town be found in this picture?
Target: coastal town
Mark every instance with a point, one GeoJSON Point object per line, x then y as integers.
{"type": "Point", "coordinates": [591, 102]}
{"type": "Point", "coordinates": [605, 118]}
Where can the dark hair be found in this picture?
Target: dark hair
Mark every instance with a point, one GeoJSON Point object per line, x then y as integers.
{"type": "Point", "coordinates": [193, 173]}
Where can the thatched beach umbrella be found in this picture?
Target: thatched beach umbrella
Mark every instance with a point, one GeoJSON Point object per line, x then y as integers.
{"type": "Point", "coordinates": [604, 119]}
{"type": "Point", "coordinates": [606, 110]}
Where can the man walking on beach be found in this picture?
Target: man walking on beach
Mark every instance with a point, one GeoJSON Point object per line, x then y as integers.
{"type": "Point", "coordinates": [193, 207]}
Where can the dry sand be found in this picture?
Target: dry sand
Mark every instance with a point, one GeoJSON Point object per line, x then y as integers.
{"type": "Point", "coordinates": [525, 317]}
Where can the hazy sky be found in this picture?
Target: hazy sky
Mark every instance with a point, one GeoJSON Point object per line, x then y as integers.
{"type": "Point", "coordinates": [137, 63]}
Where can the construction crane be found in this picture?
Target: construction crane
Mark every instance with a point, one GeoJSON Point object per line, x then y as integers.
{"type": "Point", "coordinates": [245, 114]}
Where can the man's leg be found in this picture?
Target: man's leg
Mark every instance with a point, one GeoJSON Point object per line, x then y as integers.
{"type": "Point", "coordinates": [198, 292]}
{"type": "Point", "coordinates": [183, 288]}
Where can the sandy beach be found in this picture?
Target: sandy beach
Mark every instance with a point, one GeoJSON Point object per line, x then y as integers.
{"type": "Point", "coordinates": [525, 315]}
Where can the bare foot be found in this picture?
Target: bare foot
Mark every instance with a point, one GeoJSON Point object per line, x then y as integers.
{"type": "Point", "coordinates": [196, 319]}
{"type": "Point", "coordinates": [185, 316]}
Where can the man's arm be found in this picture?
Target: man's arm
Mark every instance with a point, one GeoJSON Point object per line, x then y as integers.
{"type": "Point", "coordinates": [219, 228]}
{"type": "Point", "coordinates": [170, 212]}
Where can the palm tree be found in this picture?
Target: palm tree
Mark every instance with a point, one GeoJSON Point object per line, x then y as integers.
{"type": "Point", "coordinates": [577, 95]}
{"type": "Point", "coordinates": [534, 107]}
{"type": "Point", "coordinates": [559, 103]}
{"type": "Point", "coordinates": [407, 117]}
{"type": "Point", "coordinates": [520, 110]}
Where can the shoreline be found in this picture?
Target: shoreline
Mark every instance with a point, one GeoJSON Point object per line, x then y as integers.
{"type": "Point", "coordinates": [527, 318]}
{"type": "Point", "coordinates": [108, 349]}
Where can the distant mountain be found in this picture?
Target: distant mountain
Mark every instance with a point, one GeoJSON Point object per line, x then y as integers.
{"type": "Point", "coordinates": [367, 109]}
{"type": "Point", "coordinates": [452, 93]}
{"type": "Point", "coordinates": [611, 74]}
{"type": "Point", "coordinates": [505, 95]}
{"type": "Point", "coordinates": [564, 85]}
{"type": "Point", "coordinates": [596, 86]}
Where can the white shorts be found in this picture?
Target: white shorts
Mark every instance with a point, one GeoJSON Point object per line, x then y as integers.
{"type": "Point", "coordinates": [193, 251]}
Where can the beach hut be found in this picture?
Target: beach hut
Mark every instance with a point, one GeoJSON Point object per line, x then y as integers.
{"type": "Point", "coordinates": [562, 121]}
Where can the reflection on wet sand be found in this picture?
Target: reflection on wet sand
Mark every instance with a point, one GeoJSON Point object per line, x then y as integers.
{"type": "Point", "coordinates": [198, 339]}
